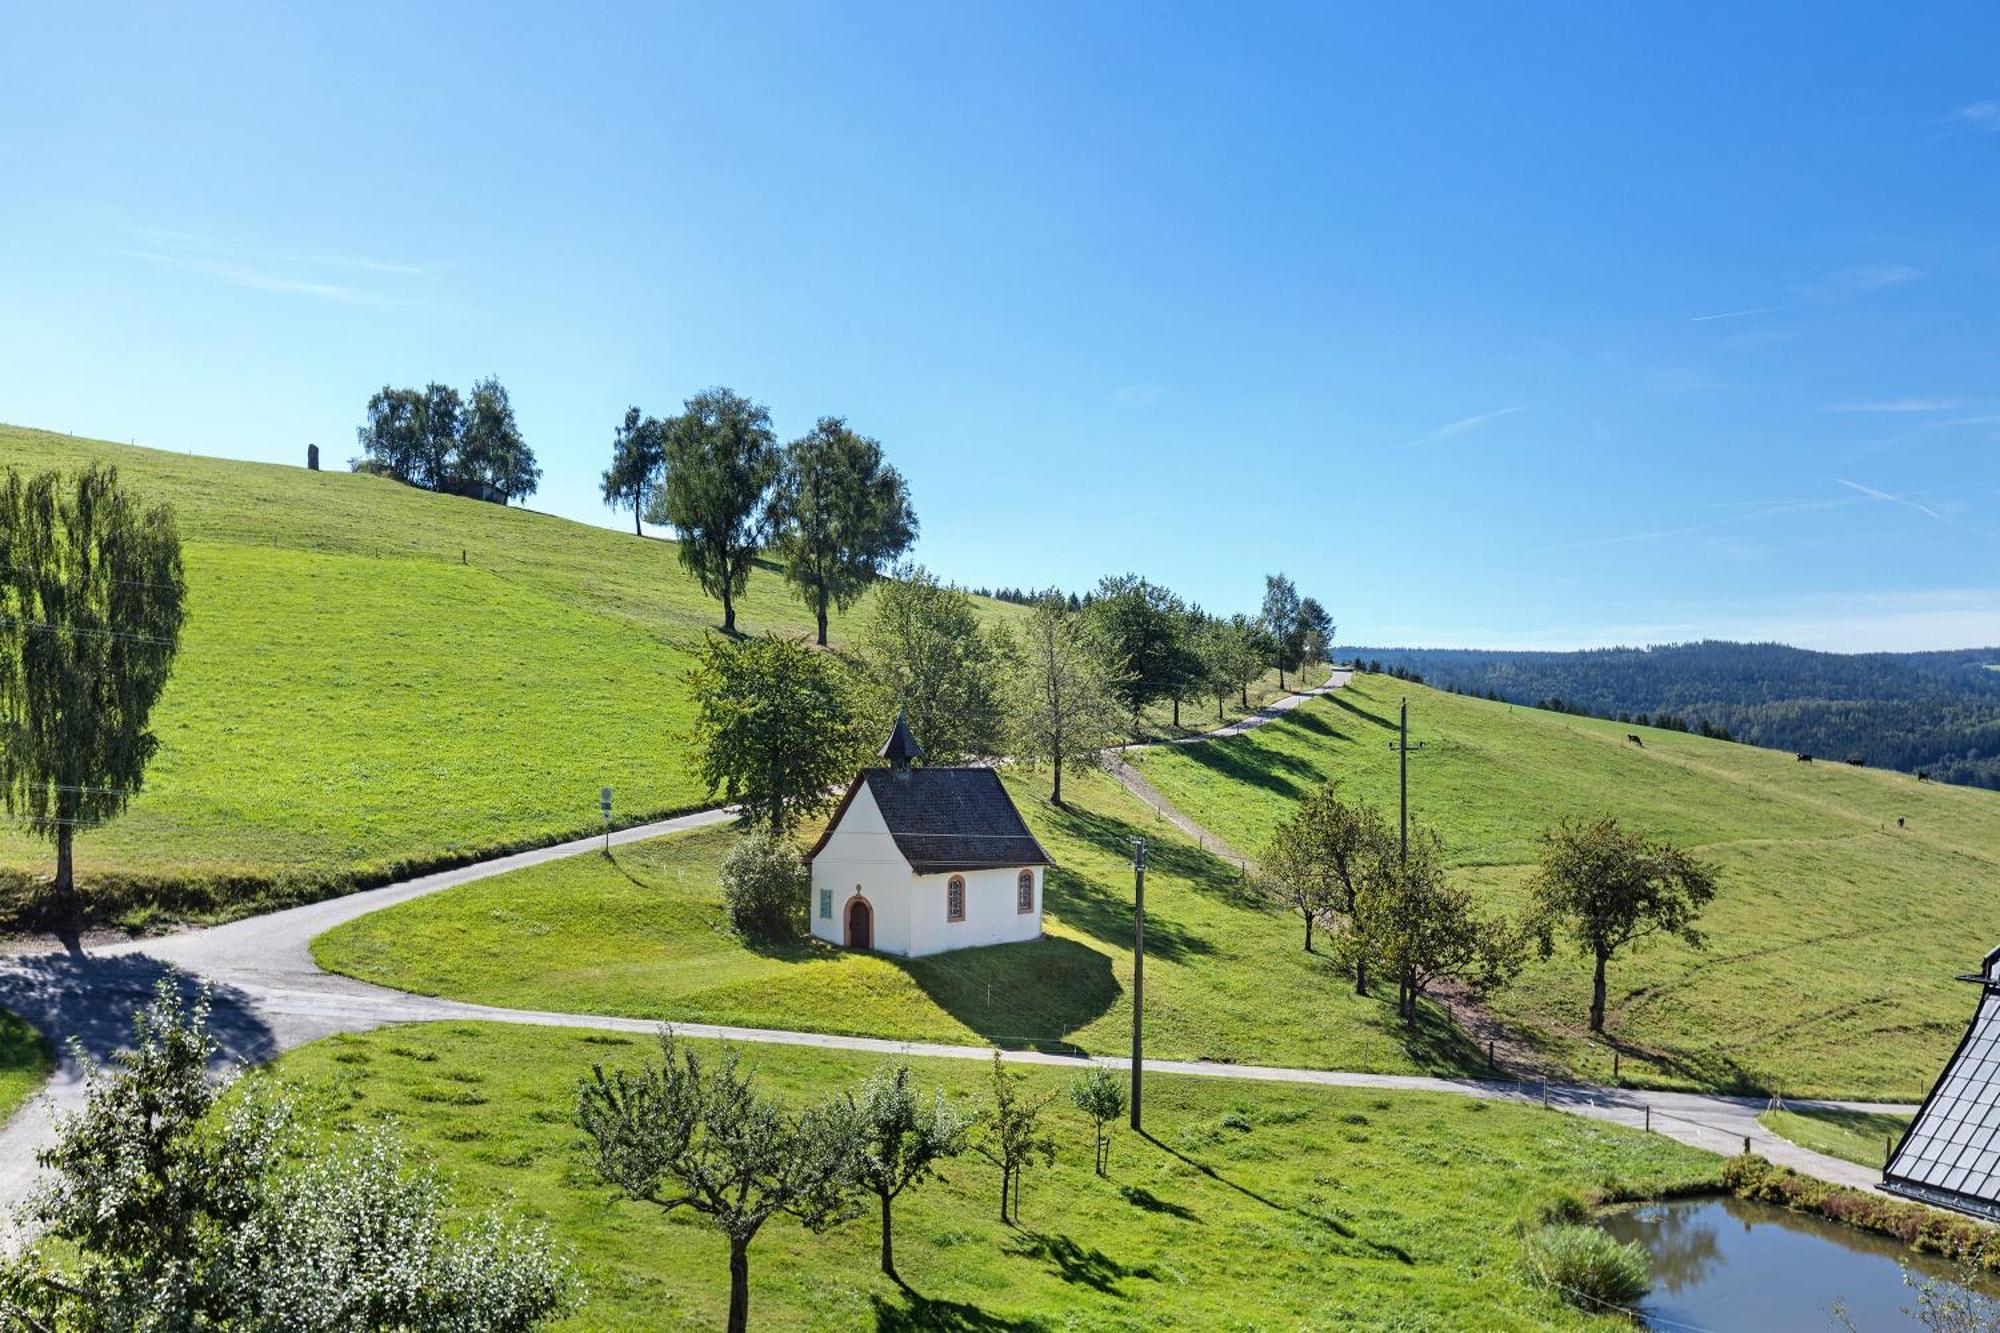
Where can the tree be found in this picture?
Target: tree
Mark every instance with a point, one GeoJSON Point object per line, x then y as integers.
{"type": "Point", "coordinates": [436, 440]}
{"type": "Point", "coordinates": [1144, 627]}
{"type": "Point", "coordinates": [638, 452]}
{"type": "Point", "coordinates": [1317, 856]}
{"type": "Point", "coordinates": [721, 457]}
{"type": "Point", "coordinates": [764, 882]}
{"type": "Point", "coordinates": [775, 727]}
{"type": "Point", "coordinates": [839, 513]}
{"type": "Point", "coordinates": [1250, 649]}
{"type": "Point", "coordinates": [903, 1140]}
{"type": "Point", "coordinates": [1424, 929]}
{"type": "Point", "coordinates": [1608, 888]}
{"type": "Point", "coordinates": [92, 601]}
{"type": "Point", "coordinates": [1100, 1094]}
{"type": "Point", "coordinates": [441, 414]}
{"type": "Point", "coordinates": [392, 441]}
{"type": "Point", "coordinates": [174, 1203]}
{"type": "Point", "coordinates": [1214, 650]}
{"type": "Point", "coordinates": [1315, 631]}
{"type": "Point", "coordinates": [1013, 1138]}
{"type": "Point", "coordinates": [927, 654]}
{"type": "Point", "coordinates": [491, 451]}
{"type": "Point", "coordinates": [681, 1135]}
{"type": "Point", "coordinates": [1281, 620]}
{"type": "Point", "coordinates": [1060, 704]}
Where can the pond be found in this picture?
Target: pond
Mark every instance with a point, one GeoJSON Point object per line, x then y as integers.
{"type": "Point", "coordinates": [1726, 1265]}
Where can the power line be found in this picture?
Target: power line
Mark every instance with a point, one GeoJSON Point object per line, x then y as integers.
{"type": "Point", "coordinates": [48, 627]}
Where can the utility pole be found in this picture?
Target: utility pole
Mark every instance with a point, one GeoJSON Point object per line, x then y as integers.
{"type": "Point", "coordinates": [1138, 964]}
{"type": "Point", "coordinates": [1401, 745]}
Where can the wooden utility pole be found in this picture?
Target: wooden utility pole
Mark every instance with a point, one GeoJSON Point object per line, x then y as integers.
{"type": "Point", "coordinates": [1138, 965]}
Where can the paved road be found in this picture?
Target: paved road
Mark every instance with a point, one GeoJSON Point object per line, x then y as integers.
{"type": "Point", "coordinates": [268, 997]}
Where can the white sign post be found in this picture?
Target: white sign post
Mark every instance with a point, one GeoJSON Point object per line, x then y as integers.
{"type": "Point", "coordinates": [604, 807]}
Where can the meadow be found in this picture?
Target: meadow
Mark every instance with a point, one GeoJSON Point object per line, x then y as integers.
{"type": "Point", "coordinates": [1244, 1206]}
{"type": "Point", "coordinates": [1861, 1137]}
{"type": "Point", "coordinates": [1832, 946]}
{"type": "Point", "coordinates": [643, 934]}
{"type": "Point", "coordinates": [25, 1062]}
{"type": "Point", "coordinates": [376, 680]}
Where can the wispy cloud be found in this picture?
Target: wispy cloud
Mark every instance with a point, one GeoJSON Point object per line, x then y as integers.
{"type": "Point", "coordinates": [315, 275]}
{"type": "Point", "coordinates": [1979, 116]}
{"type": "Point", "coordinates": [244, 275]}
{"type": "Point", "coordinates": [1735, 314]}
{"type": "Point", "coordinates": [1741, 511]}
{"type": "Point", "coordinates": [1874, 277]}
{"type": "Point", "coordinates": [1462, 425]}
{"type": "Point", "coordinates": [1903, 500]}
{"type": "Point", "coordinates": [1901, 405]}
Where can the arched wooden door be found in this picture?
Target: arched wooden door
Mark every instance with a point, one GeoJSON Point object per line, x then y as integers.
{"type": "Point", "coordinates": [860, 925]}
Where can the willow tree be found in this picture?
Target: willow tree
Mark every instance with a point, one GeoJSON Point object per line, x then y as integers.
{"type": "Point", "coordinates": [92, 600]}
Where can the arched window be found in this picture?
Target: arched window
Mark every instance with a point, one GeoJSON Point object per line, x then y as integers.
{"type": "Point", "coordinates": [1024, 892]}
{"type": "Point", "coordinates": [954, 899]}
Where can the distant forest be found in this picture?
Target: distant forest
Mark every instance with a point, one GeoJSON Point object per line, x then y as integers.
{"type": "Point", "coordinates": [1932, 713]}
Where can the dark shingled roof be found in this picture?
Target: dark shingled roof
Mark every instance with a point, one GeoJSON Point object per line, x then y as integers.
{"type": "Point", "coordinates": [947, 819]}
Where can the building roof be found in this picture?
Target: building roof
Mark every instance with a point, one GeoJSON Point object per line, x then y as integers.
{"type": "Point", "coordinates": [946, 819]}
{"type": "Point", "coordinates": [901, 747]}
{"type": "Point", "coordinates": [1946, 1157]}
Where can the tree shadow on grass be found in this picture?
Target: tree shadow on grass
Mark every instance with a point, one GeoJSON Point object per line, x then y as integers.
{"type": "Point", "coordinates": [1075, 1264]}
{"type": "Point", "coordinates": [1341, 699]}
{"type": "Point", "coordinates": [91, 1000]}
{"type": "Point", "coordinates": [1271, 770]}
{"type": "Point", "coordinates": [919, 1312]}
{"type": "Point", "coordinates": [1030, 995]}
{"type": "Point", "coordinates": [1140, 1197]}
{"type": "Point", "coordinates": [1204, 871]}
{"type": "Point", "coordinates": [1333, 1224]}
{"type": "Point", "coordinates": [1309, 720]}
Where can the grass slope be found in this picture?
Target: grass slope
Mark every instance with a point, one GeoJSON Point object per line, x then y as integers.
{"type": "Point", "coordinates": [1861, 1137]}
{"type": "Point", "coordinates": [1254, 1207]}
{"type": "Point", "coordinates": [1832, 947]}
{"type": "Point", "coordinates": [644, 935]}
{"type": "Point", "coordinates": [25, 1063]}
{"type": "Point", "coordinates": [375, 678]}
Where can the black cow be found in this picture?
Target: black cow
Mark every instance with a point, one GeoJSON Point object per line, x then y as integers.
{"type": "Point", "coordinates": [1805, 758]}
{"type": "Point", "coordinates": [1635, 740]}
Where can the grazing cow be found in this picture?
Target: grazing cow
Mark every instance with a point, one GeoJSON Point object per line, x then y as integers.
{"type": "Point", "coordinates": [1805, 758]}
{"type": "Point", "coordinates": [1899, 821]}
{"type": "Point", "coordinates": [1858, 762]}
{"type": "Point", "coordinates": [1635, 740]}
{"type": "Point", "coordinates": [1923, 776]}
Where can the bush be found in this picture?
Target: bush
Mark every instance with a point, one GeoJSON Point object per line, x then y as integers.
{"type": "Point", "coordinates": [764, 887]}
{"type": "Point", "coordinates": [1586, 1267]}
{"type": "Point", "coordinates": [1926, 1230]}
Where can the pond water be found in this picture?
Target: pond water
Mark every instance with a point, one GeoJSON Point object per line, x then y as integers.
{"type": "Point", "coordinates": [1730, 1266]}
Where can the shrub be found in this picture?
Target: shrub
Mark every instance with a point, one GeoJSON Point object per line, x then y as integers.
{"type": "Point", "coordinates": [1926, 1230]}
{"type": "Point", "coordinates": [1587, 1267]}
{"type": "Point", "coordinates": [764, 887]}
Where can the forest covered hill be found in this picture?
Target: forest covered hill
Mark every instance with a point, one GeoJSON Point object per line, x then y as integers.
{"type": "Point", "coordinates": [1936, 713]}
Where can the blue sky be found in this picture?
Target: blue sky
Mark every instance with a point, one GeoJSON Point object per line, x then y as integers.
{"type": "Point", "coordinates": [1490, 325]}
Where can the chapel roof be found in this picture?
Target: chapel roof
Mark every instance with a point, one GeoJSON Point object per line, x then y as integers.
{"type": "Point", "coordinates": [945, 819]}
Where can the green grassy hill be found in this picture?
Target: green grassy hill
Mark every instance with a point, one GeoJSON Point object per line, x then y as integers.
{"type": "Point", "coordinates": [1832, 946]}
{"type": "Point", "coordinates": [1247, 1206]}
{"type": "Point", "coordinates": [375, 678]}
{"type": "Point", "coordinates": [643, 934]}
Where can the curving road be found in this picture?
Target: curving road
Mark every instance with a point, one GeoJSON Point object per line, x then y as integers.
{"type": "Point", "coordinates": [268, 996]}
